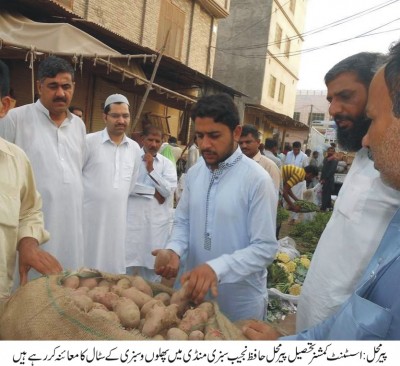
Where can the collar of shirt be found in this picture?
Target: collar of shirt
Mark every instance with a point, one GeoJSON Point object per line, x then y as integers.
{"type": "Point", "coordinates": [142, 152]}
{"type": "Point", "coordinates": [228, 163]}
{"type": "Point", "coordinates": [45, 111]}
{"type": "Point", "coordinates": [5, 148]}
{"type": "Point", "coordinates": [106, 137]}
{"type": "Point", "coordinates": [257, 157]}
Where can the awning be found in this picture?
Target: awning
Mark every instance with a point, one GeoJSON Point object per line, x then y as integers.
{"type": "Point", "coordinates": [21, 35]}
{"type": "Point", "coordinates": [278, 118]}
{"type": "Point", "coordinates": [17, 30]}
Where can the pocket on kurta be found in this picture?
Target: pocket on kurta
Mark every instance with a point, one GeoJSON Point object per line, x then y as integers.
{"type": "Point", "coordinates": [9, 205]}
{"type": "Point", "coordinates": [356, 196]}
{"type": "Point", "coordinates": [127, 171]}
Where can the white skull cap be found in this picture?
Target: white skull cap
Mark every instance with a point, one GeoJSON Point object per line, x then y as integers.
{"type": "Point", "coordinates": [116, 98]}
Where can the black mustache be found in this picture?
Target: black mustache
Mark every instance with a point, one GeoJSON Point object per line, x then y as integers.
{"type": "Point", "coordinates": [60, 100]}
{"type": "Point", "coordinates": [343, 117]}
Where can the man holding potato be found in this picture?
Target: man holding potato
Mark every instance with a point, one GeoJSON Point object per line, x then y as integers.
{"type": "Point", "coordinates": [225, 220]}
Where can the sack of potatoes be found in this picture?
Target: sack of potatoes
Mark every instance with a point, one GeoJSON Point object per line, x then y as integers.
{"type": "Point", "coordinates": [93, 305]}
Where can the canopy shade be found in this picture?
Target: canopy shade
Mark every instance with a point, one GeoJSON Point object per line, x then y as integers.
{"type": "Point", "coordinates": [18, 30]}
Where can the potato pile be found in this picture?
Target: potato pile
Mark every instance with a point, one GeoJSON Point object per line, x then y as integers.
{"type": "Point", "coordinates": [130, 303]}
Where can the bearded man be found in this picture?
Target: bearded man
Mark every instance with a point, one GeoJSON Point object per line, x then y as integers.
{"type": "Point", "coordinates": [364, 206]}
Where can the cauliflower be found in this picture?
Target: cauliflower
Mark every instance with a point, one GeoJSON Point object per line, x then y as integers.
{"type": "Point", "coordinates": [295, 289]}
{"type": "Point", "coordinates": [305, 262]}
{"type": "Point", "coordinates": [283, 257]}
{"type": "Point", "coordinates": [291, 266]}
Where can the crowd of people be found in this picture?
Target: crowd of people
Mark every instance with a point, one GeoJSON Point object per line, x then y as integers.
{"type": "Point", "coordinates": [108, 203]}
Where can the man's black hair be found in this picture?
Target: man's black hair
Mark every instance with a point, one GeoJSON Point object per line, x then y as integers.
{"type": "Point", "coordinates": [250, 129]}
{"type": "Point", "coordinates": [312, 169]}
{"type": "Point", "coordinates": [220, 107]}
{"type": "Point", "coordinates": [53, 65]}
{"type": "Point", "coordinates": [270, 143]}
{"type": "Point", "coordinates": [296, 145]}
{"type": "Point", "coordinates": [363, 64]}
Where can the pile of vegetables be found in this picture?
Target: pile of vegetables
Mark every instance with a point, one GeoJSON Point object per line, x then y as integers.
{"type": "Point", "coordinates": [306, 206]}
{"type": "Point", "coordinates": [307, 233]}
{"type": "Point", "coordinates": [287, 275]}
{"type": "Point", "coordinates": [130, 303]}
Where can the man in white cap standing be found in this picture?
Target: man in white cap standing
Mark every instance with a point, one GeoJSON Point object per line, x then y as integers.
{"type": "Point", "coordinates": [110, 170]}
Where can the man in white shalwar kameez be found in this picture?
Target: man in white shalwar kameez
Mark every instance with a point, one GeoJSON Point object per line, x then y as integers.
{"type": "Point", "coordinates": [300, 159]}
{"type": "Point", "coordinates": [150, 207]}
{"type": "Point", "coordinates": [54, 141]}
{"type": "Point", "coordinates": [111, 167]}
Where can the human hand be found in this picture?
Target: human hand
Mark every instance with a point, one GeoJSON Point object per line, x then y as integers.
{"type": "Point", "coordinates": [259, 331]}
{"type": "Point", "coordinates": [31, 256]}
{"type": "Point", "coordinates": [200, 280]}
{"type": "Point", "coordinates": [148, 159]}
{"type": "Point", "coordinates": [160, 199]}
{"type": "Point", "coordinates": [295, 208]}
{"type": "Point", "coordinates": [166, 263]}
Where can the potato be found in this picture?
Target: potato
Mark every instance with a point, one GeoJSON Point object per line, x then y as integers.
{"type": "Point", "coordinates": [181, 299]}
{"type": "Point", "coordinates": [141, 284]}
{"type": "Point", "coordinates": [196, 335]}
{"type": "Point", "coordinates": [90, 282]}
{"type": "Point", "coordinates": [82, 290]}
{"type": "Point", "coordinates": [128, 312]}
{"type": "Point", "coordinates": [116, 289]}
{"type": "Point", "coordinates": [71, 282]}
{"type": "Point", "coordinates": [193, 319]}
{"type": "Point", "coordinates": [160, 318]}
{"type": "Point", "coordinates": [164, 297]}
{"type": "Point", "coordinates": [148, 306]}
{"type": "Point", "coordinates": [124, 283]}
{"type": "Point", "coordinates": [175, 334]}
{"type": "Point", "coordinates": [105, 283]}
{"type": "Point", "coordinates": [108, 299]}
{"type": "Point", "coordinates": [97, 305]}
{"type": "Point", "coordinates": [139, 297]}
{"type": "Point", "coordinates": [158, 337]}
{"type": "Point", "coordinates": [96, 291]}
{"type": "Point", "coordinates": [83, 302]}
{"type": "Point", "coordinates": [208, 307]}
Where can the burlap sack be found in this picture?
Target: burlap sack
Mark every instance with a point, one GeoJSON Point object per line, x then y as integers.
{"type": "Point", "coordinates": [42, 310]}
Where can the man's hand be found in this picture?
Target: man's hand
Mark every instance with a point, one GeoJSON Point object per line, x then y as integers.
{"type": "Point", "coordinates": [258, 331]}
{"type": "Point", "coordinates": [294, 208]}
{"type": "Point", "coordinates": [148, 159]}
{"type": "Point", "coordinates": [159, 198]}
{"type": "Point", "coordinates": [200, 280]}
{"type": "Point", "coordinates": [166, 263]}
{"type": "Point", "coordinates": [31, 256]}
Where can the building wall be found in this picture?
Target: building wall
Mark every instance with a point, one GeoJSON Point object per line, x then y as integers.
{"type": "Point", "coordinates": [242, 36]}
{"type": "Point", "coordinates": [126, 18]}
{"type": "Point", "coordinates": [246, 55]}
{"type": "Point", "coordinates": [311, 101]}
{"type": "Point", "coordinates": [282, 62]}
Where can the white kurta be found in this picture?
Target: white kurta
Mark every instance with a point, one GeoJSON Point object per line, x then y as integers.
{"type": "Point", "coordinates": [108, 173]}
{"type": "Point", "coordinates": [148, 222]}
{"type": "Point", "coordinates": [56, 155]}
{"type": "Point", "coordinates": [360, 217]}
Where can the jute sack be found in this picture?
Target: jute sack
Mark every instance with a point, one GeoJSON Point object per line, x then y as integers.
{"type": "Point", "coordinates": [43, 310]}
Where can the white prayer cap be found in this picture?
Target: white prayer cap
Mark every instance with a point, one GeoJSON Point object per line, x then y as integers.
{"type": "Point", "coordinates": [116, 98]}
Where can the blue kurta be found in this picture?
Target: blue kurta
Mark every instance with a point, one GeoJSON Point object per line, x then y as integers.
{"type": "Point", "coordinates": [373, 310]}
{"type": "Point", "coordinates": [226, 218]}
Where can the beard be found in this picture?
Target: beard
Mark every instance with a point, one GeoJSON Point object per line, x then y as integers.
{"type": "Point", "coordinates": [350, 139]}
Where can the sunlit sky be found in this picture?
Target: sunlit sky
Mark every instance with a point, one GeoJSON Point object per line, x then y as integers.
{"type": "Point", "coordinates": [320, 13]}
